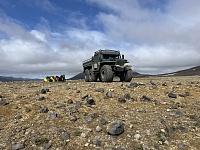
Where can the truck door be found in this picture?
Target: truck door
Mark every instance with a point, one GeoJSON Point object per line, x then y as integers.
{"type": "Point", "coordinates": [95, 62]}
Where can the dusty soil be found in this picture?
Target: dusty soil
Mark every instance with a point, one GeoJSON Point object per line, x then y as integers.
{"type": "Point", "coordinates": [158, 113]}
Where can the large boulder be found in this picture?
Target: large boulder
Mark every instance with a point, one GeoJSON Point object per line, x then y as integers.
{"type": "Point", "coordinates": [116, 128]}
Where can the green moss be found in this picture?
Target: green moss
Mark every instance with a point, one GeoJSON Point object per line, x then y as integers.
{"type": "Point", "coordinates": [77, 133]}
{"type": "Point", "coordinates": [41, 141]}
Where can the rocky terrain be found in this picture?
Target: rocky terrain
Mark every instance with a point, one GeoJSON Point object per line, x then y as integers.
{"type": "Point", "coordinates": [148, 113]}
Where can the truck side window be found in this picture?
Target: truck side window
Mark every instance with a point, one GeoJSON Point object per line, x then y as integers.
{"type": "Point", "coordinates": [100, 57]}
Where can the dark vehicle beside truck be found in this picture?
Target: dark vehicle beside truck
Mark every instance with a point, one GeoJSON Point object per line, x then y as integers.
{"type": "Point", "coordinates": [104, 65]}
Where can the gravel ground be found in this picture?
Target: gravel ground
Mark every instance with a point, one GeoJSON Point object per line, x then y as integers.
{"type": "Point", "coordinates": [148, 113]}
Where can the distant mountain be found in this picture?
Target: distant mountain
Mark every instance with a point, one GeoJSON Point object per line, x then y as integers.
{"type": "Point", "coordinates": [12, 79]}
{"type": "Point", "coordinates": [77, 77]}
{"type": "Point", "coordinates": [194, 71]}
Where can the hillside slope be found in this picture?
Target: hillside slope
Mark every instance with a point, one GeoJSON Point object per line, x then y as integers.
{"type": "Point", "coordinates": [194, 71]}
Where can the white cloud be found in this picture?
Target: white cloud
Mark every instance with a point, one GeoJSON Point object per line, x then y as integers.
{"type": "Point", "coordinates": [46, 52]}
{"type": "Point", "coordinates": [153, 39]}
{"type": "Point", "coordinates": [157, 39]}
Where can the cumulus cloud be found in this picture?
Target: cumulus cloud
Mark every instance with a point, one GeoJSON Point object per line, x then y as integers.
{"type": "Point", "coordinates": [160, 37]}
{"type": "Point", "coordinates": [35, 51]}
{"type": "Point", "coordinates": [155, 37]}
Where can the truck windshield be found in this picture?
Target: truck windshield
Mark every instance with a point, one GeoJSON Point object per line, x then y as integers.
{"type": "Point", "coordinates": [108, 56]}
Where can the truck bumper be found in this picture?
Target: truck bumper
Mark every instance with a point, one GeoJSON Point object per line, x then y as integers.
{"type": "Point", "coordinates": [122, 68]}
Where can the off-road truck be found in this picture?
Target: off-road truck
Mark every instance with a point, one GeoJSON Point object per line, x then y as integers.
{"type": "Point", "coordinates": [104, 65]}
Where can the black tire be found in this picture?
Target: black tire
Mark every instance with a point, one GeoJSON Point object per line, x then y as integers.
{"type": "Point", "coordinates": [122, 78]}
{"type": "Point", "coordinates": [86, 75]}
{"type": "Point", "coordinates": [128, 75]}
{"type": "Point", "coordinates": [92, 76]}
{"type": "Point", "coordinates": [106, 74]}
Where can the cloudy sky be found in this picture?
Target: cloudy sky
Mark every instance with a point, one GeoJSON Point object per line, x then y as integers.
{"type": "Point", "coordinates": [53, 37]}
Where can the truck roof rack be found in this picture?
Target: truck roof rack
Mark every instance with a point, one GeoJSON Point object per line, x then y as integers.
{"type": "Point", "coordinates": [106, 50]}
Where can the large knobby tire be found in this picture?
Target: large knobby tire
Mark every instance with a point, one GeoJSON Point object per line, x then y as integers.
{"type": "Point", "coordinates": [86, 75]}
{"type": "Point", "coordinates": [128, 75]}
{"type": "Point", "coordinates": [106, 74]}
{"type": "Point", "coordinates": [92, 76]}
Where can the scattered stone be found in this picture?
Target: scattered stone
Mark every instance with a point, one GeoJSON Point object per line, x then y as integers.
{"type": "Point", "coordinates": [170, 131]}
{"type": "Point", "coordinates": [166, 143]}
{"type": "Point", "coordinates": [17, 146]}
{"type": "Point", "coordinates": [137, 136]}
{"type": "Point", "coordinates": [156, 102]}
{"type": "Point", "coordinates": [171, 95]}
{"type": "Point", "coordinates": [43, 91]}
{"type": "Point", "coordinates": [78, 104]}
{"type": "Point", "coordinates": [179, 83]}
{"type": "Point", "coordinates": [90, 102]}
{"type": "Point", "coordinates": [85, 96]}
{"type": "Point", "coordinates": [180, 113]}
{"type": "Point", "coordinates": [121, 100]}
{"type": "Point", "coordinates": [187, 93]}
{"type": "Point", "coordinates": [61, 130]}
{"type": "Point", "coordinates": [53, 115]}
{"type": "Point", "coordinates": [116, 128]}
{"type": "Point", "coordinates": [83, 135]}
{"type": "Point", "coordinates": [178, 118]}
{"type": "Point", "coordinates": [153, 87]}
{"type": "Point", "coordinates": [73, 109]}
{"type": "Point", "coordinates": [98, 129]}
{"type": "Point", "coordinates": [59, 105]}
{"type": "Point", "coordinates": [44, 110]}
{"type": "Point", "coordinates": [193, 117]}
{"type": "Point", "coordinates": [101, 90]}
{"type": "Point", "coordinates": [73, 118]}
{"type": "Point", "coordinates": [65, 136]}
{"type": "Point", "coordinates": [184, 95]}
{"type": "Point", "coordinates": [3, 102]}
{"type": "Point", "coordinates": [197, 123]}
{"type": "Point", "coordinates": [181, 145]}
{"type": "Point", "coordinates": [182, 129]}
{"type": "Point", "coordinates": [110, 94]}
{"type": "Point", "coordinates": [27, 109]}
{"type": "Point", "coordinates": [78, 91]}
{"type": "Point", "coordinates": [74, 88]}
{"type": "Point", "coordinates": [69, 101]}
{"type": "Point", "coordinates": [18, 117]}
{"type": "Point", "coordinates": [94, 115]}
{"type": "Point", "coordinates": [164, 84]}
{"type": "Point", "coordinates": [68, 88]}
{"type": "Point", "coordinates": [47, 145]}
{"type": "Point", "coordinates": [87, 119]}
{"type": "Point", "coordinates": [87, 144]}
{"type": "Point", "coordinates": [42, 98]}
{"type": "Point", "coordinates": [145, 98]}
{"type": "Point", "coordinates": [97, 143]}
{"type": "Point", "coordinates": [152, 83]}
{"type": "Point", "coordinates": [133, 85]}
{"type": "Point", "coordinates": [103, 121]}
{"type": "Point", "coordinates": [127, 96]}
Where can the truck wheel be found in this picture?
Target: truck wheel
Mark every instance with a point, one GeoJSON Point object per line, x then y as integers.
{"type": "Point", "coordinates": [128, 75]}
{"type": "Point", "coordinates": [121, 78]}
{"type": "Point", "coordinates": [92, 76]}
{"type": "Point", "coordinates": [106, 74]}
{"type": "Point", "coordinates": [86, 75]}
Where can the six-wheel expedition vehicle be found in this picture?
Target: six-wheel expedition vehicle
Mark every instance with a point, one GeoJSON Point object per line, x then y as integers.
{"type": "Point", "coordinates": [104, 65]}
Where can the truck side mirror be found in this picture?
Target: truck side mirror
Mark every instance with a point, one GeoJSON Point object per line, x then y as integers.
{"type": "Point", "coordinates": [122, 56]}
